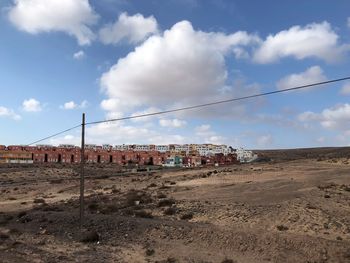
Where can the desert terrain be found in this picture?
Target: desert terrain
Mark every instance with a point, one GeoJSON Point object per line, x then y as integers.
{"type": "Point", "coordinates": [287, 209]}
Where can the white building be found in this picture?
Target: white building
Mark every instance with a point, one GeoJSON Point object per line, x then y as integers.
{"type": "Point", "coordinates": [122, 147]}
{"type": "Point", "coordinates": [162, 148]}
{"type": "Point", "coordinates": [144, 147]}
{"type": "Point", "coordinates": [245, 156]}
{"type": "Point", "coordinates": [182, 148]}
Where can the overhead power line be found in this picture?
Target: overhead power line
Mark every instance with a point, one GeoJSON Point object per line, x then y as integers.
{"type": "Point", "coordinates": [54, 135]}
{"type": "Point", "coordinates": [194, 107]}
{"type": "Point", "coordinates": [219, 102]}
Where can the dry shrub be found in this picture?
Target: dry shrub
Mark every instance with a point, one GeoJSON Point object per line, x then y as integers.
{"type": "Point", "coordinates": [143, 214]}
{"type": "Point", "coordinates": [39, 201]}
{"type": "Point", "coordinates": [132, 196]}
{"type": "Point", "coordinates": [56, 181]}
{"type": "Point", "coordinates": [282, 228]}
{"type": "Point", "coordinates": [149, 252]}
{"type": "Point", "coordinates": [187, 216]}
{"type": "Point", "coordinates": [166, 202]}
{"type": "Point", "coordinates": [161, 195]}
{"type": "Point", "coordinates": [90, 236]}
{"type": "Point", "coordinates": [93, 206]}
{"type": "Point", "coordinates": [109, 209]}
{"type": "Point", "coordinates": [170, 211]}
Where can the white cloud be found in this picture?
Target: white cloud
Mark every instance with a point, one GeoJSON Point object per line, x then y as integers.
{"type": "Point", "coordinates": [31, 105]}
{"type": "Point", "coordinates": [264, 140]}
{"type": "Point", "coordinates": [345, 90]}
{"type": "Point", "coordinates": [203, 130]}
{"type": "Point", "coordinates": [69, 16]}
{"type": "Point", "coordinates": [215, 139]}
{"type": "Point", "coordinates": [169, 139]}
{"type": "Point", "coordinates": [71, 105]}
{"type": "Point", "coordinates": [149, 76]}
{"type": "Point", "coordinates": [6, 112]}
{"type": "Point", "coordinates": [348, 22]}
{"type": "Point", "coordinates": [172, 123]}
{"type": "Point", "coordinates": [79, 55]}
{"type": "Point", "coordinates": [317, 40]}
{"type": "Point", "coordinates": [133, 29]}
{"type": "Point", "coordinates": [334, 118]}
{"type": "Point", "coordinates": [207, 135]}
{"type": "Point", "coordinates": [311, 75]}
{"type": "Point", "coordinates": [144, 112]}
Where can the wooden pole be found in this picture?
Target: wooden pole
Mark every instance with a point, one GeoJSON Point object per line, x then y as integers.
{"type": "Point", "coordinates": [82, 163]}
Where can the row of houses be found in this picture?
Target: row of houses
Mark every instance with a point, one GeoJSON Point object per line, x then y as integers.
{"type": "Point", "coordinates": [201, 149]}
{"type": "Point", "coordinates": [104, 154]}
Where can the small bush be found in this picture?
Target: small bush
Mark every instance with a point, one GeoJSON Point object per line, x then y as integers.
{"type": "Point", "coordinates": [282, 228]}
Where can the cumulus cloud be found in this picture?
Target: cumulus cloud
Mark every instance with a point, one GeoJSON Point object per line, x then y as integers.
{"type": "Point", "coordinates": [149, 76]}
{"type": "Point", "coordinates": [73, 17]}
{"type": "Point", "coordinates": [71, 105]}
{"type": "Point", "coordinates": [311, 75]}
{"type": "Point", "coordinates": [334, 118]}
{"type": "Point", "coordinates": [345, 90]}
{"type": "Point", "coordinates": [133, 29]}
{"type": "Point", "coordinates": [172, 123]}
{"type": "Point", "coordinates": [31, 105]}
{"type": "Point", "coordinates": [316, 40]}
{"type": "Point", "coordinates": [79, 55]}
{"type": "Point", "coordinates": [9, 113]}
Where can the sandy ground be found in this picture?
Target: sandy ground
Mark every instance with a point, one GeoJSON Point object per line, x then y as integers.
{"type": "Point", "coordinates": [291, 211]}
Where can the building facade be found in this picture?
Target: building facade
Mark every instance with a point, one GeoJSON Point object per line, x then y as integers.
{"type": "Point", "coordinates": [188, 155]}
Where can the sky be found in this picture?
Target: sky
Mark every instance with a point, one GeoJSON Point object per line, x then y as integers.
{"type": "Point", "coordinates": [118, 58]}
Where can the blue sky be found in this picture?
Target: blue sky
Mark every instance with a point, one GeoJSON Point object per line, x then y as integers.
{"type": "Point", "coordinates": [114, 58]}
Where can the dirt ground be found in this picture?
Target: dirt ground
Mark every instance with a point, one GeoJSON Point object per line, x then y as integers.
{"type": "Point", "coordinates": [288, 211]}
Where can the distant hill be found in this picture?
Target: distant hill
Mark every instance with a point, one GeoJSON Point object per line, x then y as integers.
{"type": "Point", "coordinates": [304, 153]}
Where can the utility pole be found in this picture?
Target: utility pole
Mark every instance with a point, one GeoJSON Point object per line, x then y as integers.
{"type": "Point", "coordinates": [82, 163]}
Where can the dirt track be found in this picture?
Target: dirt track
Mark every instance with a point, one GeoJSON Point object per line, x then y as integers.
{"type": "Point", "coordinates": [295, 211]}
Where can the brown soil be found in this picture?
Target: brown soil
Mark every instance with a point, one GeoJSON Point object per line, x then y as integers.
{"type": "Point", "coordinates": [289, 211]}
